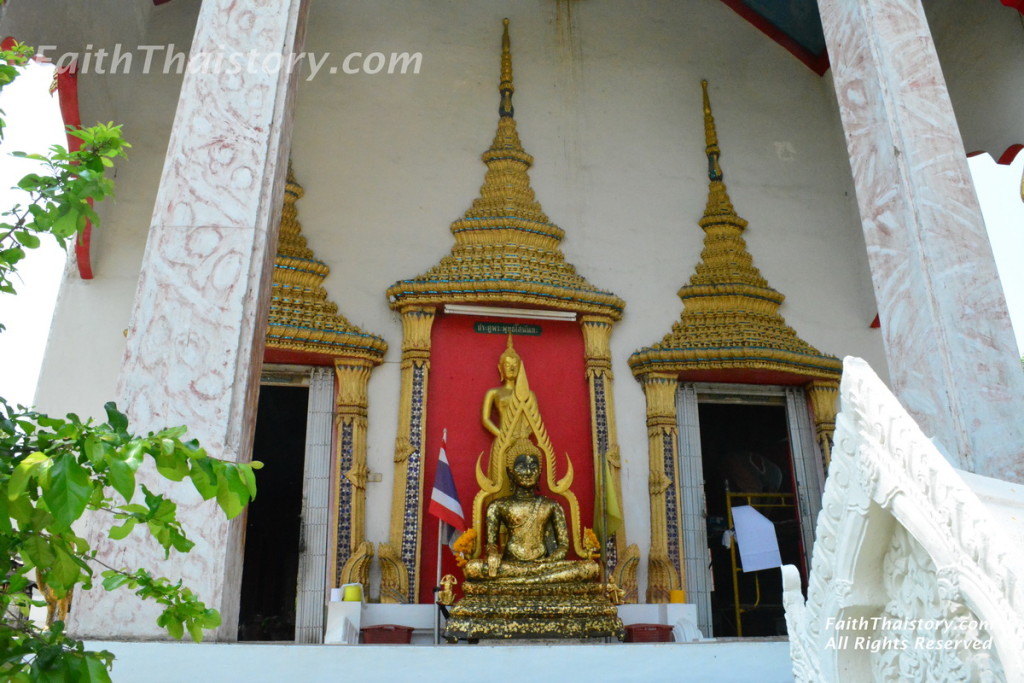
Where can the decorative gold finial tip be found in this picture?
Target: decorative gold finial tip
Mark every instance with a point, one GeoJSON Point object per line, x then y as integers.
{"type": "Point", "coordinates": [505, 86]}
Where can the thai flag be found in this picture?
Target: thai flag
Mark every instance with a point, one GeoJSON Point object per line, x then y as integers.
{"type": "Point", "coordinates": [444, 499]}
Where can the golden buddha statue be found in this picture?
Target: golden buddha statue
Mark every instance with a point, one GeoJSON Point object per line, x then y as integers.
{"type": "Point", "coordinates": [518, 421]}
{"type": "Point", "coordinates": [535, 533]}
{"type": "Point", "coordinates": [523, 586]}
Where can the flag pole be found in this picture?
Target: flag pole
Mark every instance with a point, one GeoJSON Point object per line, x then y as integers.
{"type": "Point", "coordinates": [602, 458]}
{"type": "Point", "coordinates": [437, 583]}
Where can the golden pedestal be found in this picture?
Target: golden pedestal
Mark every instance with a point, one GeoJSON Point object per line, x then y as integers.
{"type": "Point", "coordinates": [499, 611]}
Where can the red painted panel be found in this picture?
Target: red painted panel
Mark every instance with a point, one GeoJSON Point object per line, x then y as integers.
{"type": "Point", "coordinates": [292, 357]}
{"type": "Point", "coordinates": [464, 365]}
{"type": "Point", "coordinates": [67, 95]}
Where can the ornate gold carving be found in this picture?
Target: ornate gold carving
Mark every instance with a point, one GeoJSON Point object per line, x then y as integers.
{"type": "Point", "coordinates": [823, 396]}
{"type": "Point", "coordinates": [301, 318]}
{"type": "Point", "coordinates": [394, 579]}
{"type": "Point", "coordinates": [446, 595]}
{"type": "Point", "coordinates": [597, 331]}
{"type": "Point", "coordinates": [353, 375]}
{"type": "Point", "coordinates": [662, 578]}
{"type": "Point", "coordinates": [662, 575]}
{"type": "Point", "coordinates": [506, 249]}
{"type": "Point", "coordinates": [660, 391]}
{"type": "Point", "coordinates": [730, 318]}
{"type": "Point", "coordinates": [403, 449]}
{"type": "Point", "coordinates": [357, 568]}
{"type": "Point", "coordinates": [625, 572]}
{"type": "Point", "coordinates": [417, 322]}
{"type": "Point", "coordinates": [407, 492]}
{"type": "Point", "coordinates": [657, 482]}
{"type": "Point", "coordinates": [519, 420]}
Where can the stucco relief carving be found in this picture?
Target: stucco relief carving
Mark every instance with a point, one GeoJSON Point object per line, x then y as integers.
{"type": "Point", "coordinates": [923, 609]}
{"type": "Point", "coordinates": [946, 601]}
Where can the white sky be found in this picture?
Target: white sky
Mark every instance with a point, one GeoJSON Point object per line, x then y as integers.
{"type": "Point", "coordinates": [34, 124]}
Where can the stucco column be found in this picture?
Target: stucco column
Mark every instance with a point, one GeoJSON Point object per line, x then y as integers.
{"type": "Point", "coordinates": [952, 356]}
{"type": "Point", "coordinates": [195, 339]}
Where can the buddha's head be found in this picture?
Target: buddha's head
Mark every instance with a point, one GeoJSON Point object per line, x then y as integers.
{"type": "Point", "coordinates": [509, 363]}
{"type": "Point", "coordinates": [525, 470]}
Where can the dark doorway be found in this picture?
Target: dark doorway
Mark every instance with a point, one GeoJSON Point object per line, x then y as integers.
{"type": "Point", "coordinates": [270, 572]}
{"type": "Point", "coordinates": [745, 450]}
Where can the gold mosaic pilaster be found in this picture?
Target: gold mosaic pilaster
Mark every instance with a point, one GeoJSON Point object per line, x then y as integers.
{"type": "Point", "coordinates": [348, 517]}
{"type": "Point", "coordinates": [823, 396]}
{"type": "Point", "coordinates": [596, 340]}
{"type": "Point", "coordinates": [665, 560]}
{"type": "Point", "coordinates": [407, 496]}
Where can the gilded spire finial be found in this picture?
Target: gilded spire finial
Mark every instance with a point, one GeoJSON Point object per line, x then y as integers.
{"type": "Point", "coordinates": [730, 320]}
{"type": "Point", "coordinates": [711, 137]}
{"type": "Point", "coordinates": [506, 248]}
{"type": "Point", "coordinates": [505, 87]}
{"type": "Point", "coordinates": [719, 208]}
{"type": "Point", "coordinates": [302, 318]}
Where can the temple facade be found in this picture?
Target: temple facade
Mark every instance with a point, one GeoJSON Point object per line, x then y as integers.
{"type": "Point", "coordinates": [308, 264]}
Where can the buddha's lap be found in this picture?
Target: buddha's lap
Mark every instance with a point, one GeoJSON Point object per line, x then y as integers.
{"type": "Point", "coordinates": [554, 570]}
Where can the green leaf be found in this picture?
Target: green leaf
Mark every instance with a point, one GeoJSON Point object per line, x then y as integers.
{"type": "Point", "coordinates": [112, 580]}
{"type": "Point", "coordinates": [37, 549]}
{"type": "Point", "coordinates": [231, 493]}
{"type": "Point", "coordinates": [115, 418]}
{"type": "Point", "coordinates": [96, 669]}
{"type": "Point", "coordinates": [122, 478]}
{"type": "Point", "coordinates": [204, 477]}
{"type": "Point", "coordinates": [27, 239]}
{"type": "Point", "coordinates": [97, 450]}
{"type": "Point", "coordinates": [64, 572]}
{"type": "Point", "coordinates": [25, 469]}
{"type": "Point", "coordinates": [171, 465]}
{"type": "Point", "coordinates": [69, 490]}
{"type": "Point", "coordinates": [119, 532]}
{"type": "Point", "coordinates": [249, 478]}
{"type": "Point", "coordinates": [174, 627]}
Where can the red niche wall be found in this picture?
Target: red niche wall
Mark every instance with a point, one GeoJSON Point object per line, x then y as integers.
{"type": "Point", "coordinates": [463, 366]}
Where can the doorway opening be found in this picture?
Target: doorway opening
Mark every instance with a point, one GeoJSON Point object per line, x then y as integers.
{"type": "Point", "coordinates": [747, 461]}
{"type": "Point", "coordinates": [272, 529]}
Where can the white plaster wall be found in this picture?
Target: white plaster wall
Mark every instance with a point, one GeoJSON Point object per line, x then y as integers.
{"type": "Point", "coordinates": [608, 101]}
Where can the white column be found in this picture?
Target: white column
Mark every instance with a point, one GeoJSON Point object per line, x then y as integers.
{"type": "Point", "coordinates": [951, 352]}
{"type": "Point", "coordinates": [195, 340]}
{"type": "Point", "coordinates": [311, 591]}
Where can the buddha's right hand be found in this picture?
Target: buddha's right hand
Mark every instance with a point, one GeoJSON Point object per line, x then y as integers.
{"type": "Point", "coordinates": [493, 561]}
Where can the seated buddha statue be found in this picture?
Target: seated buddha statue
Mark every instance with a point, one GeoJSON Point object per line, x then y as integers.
{"type": "Point", "coordinates": [523, 586]}
{"type": "Point", "coordinates": [536, 538]}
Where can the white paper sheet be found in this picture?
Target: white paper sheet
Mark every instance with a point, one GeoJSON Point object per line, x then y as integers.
{"type": "Point", "coordinates": [755, 536]}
